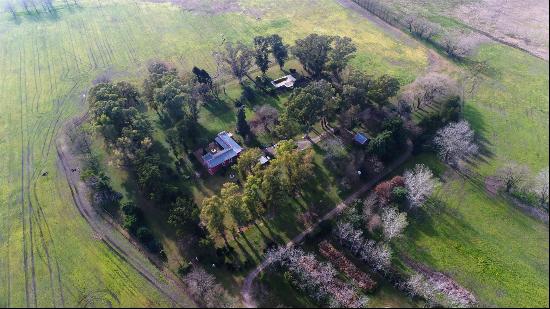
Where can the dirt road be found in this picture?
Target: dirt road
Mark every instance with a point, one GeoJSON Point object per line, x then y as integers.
{"type": "Point", "coordinates": [109, 233]}
{"type": "Point", "coordinates": [246, 290]}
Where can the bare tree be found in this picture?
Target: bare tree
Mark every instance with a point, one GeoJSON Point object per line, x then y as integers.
{"type": "Point", "coordinates": [456, 46]}
{"type": "Point", "coordinates": [541, 187]}
{"type": "Point", "coordinates": [420, 184]}
{"type": "Point", "coordinates": [393, 223]}
{"type": "Point", "coordinates": [236, 59]}
{"type": "Point", "coordinates": [513, 175]}
{"type": "Point", "coordinates": [377, 255]}
{"type": "Point", "coordinates": [421, 27]}
{"type": "Point", "coordinates": [439, 290]}
{"type": "Point", "coordinates": [206, 291]}
{"type": "Point", "coordinates": [429, 89]}
{"type": "Point", "coordinates": [265, 119]}
{"type": "Point", "coordinates": [318, 279]}
{"type": "Point", "coordinates": [455, 142]}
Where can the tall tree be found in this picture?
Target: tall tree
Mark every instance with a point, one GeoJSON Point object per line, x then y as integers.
{"type": "Point", "coordinates": [272, 186]}
{"type": "Point", "coordinates": [261, 52]}
{"type": "Point", "coordinates": [183, 215]}
{"type": "Point", "coordinates": [384, 88]}
{"type": "Point", "coordinates": [455, 142]}
{"type": "Point", "coordinates": [156, 70]}
{"type": "Point", "coordinates": [279, 49]}
{"type": "Point", "coordinates": [313, 53]}
{"type": "Point", "coordinates": [393, 222]}
{"type": "Point", "coordinates": [247, 163]}
{"type": "Point", "coordinates": [429, 89]}
{"type": "Point", "coordinates": [296, 166]}
{"type": "Point", "coordinates": [202, 76]}
{"type": "Point", "coordinates": [513, 175]}
{"type": "Point", "coordinates": [232, 203]}
{"type": "Point", "coordinates": [252, 196]}
{"type": "Point", "coordinates": [236, 59]}
{"type": "Point", "coordinates": [265, 119]}
{"type": "Point", "coordinates": [541, 187]}
{"type": "Point", "coordinates": [343, 51]}
{"type": "Point", "coordinates": [420, 184]}
{"type": "Point", "coordinates": [356, 86]}
{"type": "Point", "coordinates": [243, 128]}
{"type": "Point", "coordinates": [212, 217]}
{"type": "Point", "coordinates": [307, 105]}
{"type": "Point", "coordinates": [170, 96]}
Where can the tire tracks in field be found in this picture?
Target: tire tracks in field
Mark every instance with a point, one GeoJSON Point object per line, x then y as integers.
{"type": "Point", "coordinates": [6, 220]}
{"type": "Point", "coordinates": [22, 185]}
{"type": "Point", "coordinates": [37, 217]}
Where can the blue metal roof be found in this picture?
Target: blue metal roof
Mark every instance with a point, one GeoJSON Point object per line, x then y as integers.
{"type": "Point", "coordinates": [230, 149]}
{"type": "Point", "coordinates": [360, 138]}
{"type": "Point", "coordinates": [219, 158]}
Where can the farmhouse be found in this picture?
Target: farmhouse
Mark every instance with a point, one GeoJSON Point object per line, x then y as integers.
{"type": "Point", "coordinates": [285, 81]}
{"type": "Point", "coordinates": [220, 153]}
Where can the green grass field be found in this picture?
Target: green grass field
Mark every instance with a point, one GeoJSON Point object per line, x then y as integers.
{"type": "Point", "coordinates": [489, 247]}
{"type": "Point", "coordinates": [48, 254]}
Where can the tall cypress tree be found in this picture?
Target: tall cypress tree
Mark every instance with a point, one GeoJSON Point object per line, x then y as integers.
{"type": "Point", "coordinates": [243, 128]}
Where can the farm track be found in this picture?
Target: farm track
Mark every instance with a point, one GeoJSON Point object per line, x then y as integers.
{"type": "Point", "coordinates": [22, 184]}
{"type": "Point", "coordinates": [107, 231]}
{"type": "Point", "coordinates": [6, 222]}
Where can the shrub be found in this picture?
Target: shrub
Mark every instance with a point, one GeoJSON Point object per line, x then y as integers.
{"type": "Point", "coordinates": [184, 268]}
{"type": "Point", "coordinates": [130, 223]}
{"type": "Point", "coordinates": [144, 235]}
{"type": "Point", "coordinates": [399, 195]}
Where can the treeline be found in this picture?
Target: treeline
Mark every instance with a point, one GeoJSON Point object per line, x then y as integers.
{"type": "Point", "coordinates": [453, 44]}
{"type": "Point", "coordinates": [117, 113]}
{"type": "Point", "coordinates": [33, 7]}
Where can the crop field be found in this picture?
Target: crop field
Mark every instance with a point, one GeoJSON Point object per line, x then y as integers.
{"type": "Point", "coordinates": [49, 256]}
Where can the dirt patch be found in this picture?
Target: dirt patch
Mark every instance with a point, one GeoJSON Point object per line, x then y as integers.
{"type": "Point", "coordinates": [521, 23]}
{"type": "Point", "coordinates": [493, 185]}
{"type": "Point", "coordinates": [212, 7]}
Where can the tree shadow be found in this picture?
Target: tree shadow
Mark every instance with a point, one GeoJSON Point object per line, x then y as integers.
{"type": "Point", "coordinates": [477, 121]}
{"type": "Point", "coordinates": [244, 251]}
{"type": "Point", "coordinates": [254, 250]}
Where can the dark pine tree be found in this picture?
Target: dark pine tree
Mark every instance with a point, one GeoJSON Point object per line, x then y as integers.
{"type": "Point", "coordinates": [243, 128]}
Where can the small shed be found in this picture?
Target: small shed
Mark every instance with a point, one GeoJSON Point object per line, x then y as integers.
{"type": "Point", "coordinates": [264, 160]}
{"type": "Point", "coordinates": [285, 81]}
{"type": "Point", "coordinates": [361, 139]}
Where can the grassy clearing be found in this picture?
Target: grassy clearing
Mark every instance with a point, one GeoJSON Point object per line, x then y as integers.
{"type": "Point", "coordinates": [48, 254]}
{"type": "Point", "coordinates": [510, 109]}
{"type": "Point", "coordinates": [489, 247]}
